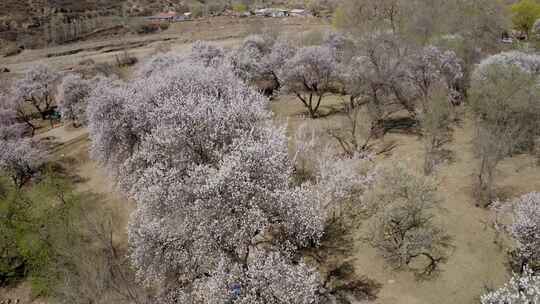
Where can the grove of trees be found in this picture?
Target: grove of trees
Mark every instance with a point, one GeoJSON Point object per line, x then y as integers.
{"type": "Point", "coordinates": [194, 146]}
{"type": "Point", "coordinates": [229, 209]}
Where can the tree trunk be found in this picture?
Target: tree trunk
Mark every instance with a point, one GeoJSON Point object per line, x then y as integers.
{"type": "Point", "coordinates": [485, 184]}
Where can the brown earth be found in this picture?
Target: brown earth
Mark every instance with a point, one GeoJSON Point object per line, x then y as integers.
{"type": "Point", "coordinates": [476, 261]}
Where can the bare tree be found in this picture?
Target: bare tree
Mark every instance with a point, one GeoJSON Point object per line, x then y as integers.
{"type": "Point", "coordinates": [157, 63]}
{"type": "Point", "coordinates": [403, 230]}
{"type": "Point", "coordinates": [354, 134]}
{"type": "Point", "coordinates": [364, 16]}
{"type": "Point", "coordinates": [260, 59]}
{"type": "Point", "coordinates": [503, 96]}
{"type": "Point", "coordinates": [377, 77]}
{"type": "Point", "coordinates": [96, 268]}
{"type": "Point", "coordinates": [429, 68]}
{"type": "Point", "coordinates": [207, 54]}
{"type": "Point", "coordinates": [436, 128]}
{"type": "Point", "coordinates": [343, 45]}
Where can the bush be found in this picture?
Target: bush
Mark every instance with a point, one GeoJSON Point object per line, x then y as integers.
{"type": "Point", "coordinates": [239, 7]}
{"type": "Point", "coordinates": [10, 49]}
{"type": "Point", "coordinates": [58, 241]}
{"type": "Point", "coordinates": [164, 26]}
{"type": "Point", "coordinates": [35, 219]}
{"type": "Point", "coordinates": [197, 10]}
{"type": "Point", "coordinates": [87, 62]}
{"type": "Point", "coordinates": [524, 15]}
{"type": "Point", "coordinates": [107, 69]}
{"type": "Point", "coordinates": [125, 59]}
{"type": "Point", "coordinates": [143, 27]}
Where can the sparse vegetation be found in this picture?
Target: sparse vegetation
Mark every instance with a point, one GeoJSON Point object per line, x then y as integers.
{"type": "Point", "coordinates": [403, 229]}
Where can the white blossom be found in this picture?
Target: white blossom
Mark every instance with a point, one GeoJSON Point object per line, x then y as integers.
{"type": "Point", "coordinates": [207, 54]}
{"type": "Point", "coordinates": [158, 63]}
{"type": "Point", "coordinates": [10, 127]}
{"type": "Point", "coordinates": [529, 63]}
{"type": "Point", "coordinates": [72, 98]}
{"type": "Point", "coordinates": [20, 160]}
{"type": "Point", "coordinates": [36, 89]}
{"type": "Point", "coordinates": [430, 66]}
{"type": "Point", "coordinates": [525, 227]}
{"type": "Point", "coordinates": [522, 289]}
{"type": "Point", "coordinates": [195, 147]}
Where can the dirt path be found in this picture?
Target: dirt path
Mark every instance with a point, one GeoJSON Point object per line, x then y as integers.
{"type": "Point", "coordinates": [71, 147]}
{"type": "Point", "coordinates": [223, 31]}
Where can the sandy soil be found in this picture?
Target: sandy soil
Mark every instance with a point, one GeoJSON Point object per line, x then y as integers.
{"type": "Point", "coordinates": [476, 261]}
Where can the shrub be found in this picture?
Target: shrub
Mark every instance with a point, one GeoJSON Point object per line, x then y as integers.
{"type": "Point", "coordinates": [164, 26]}
{"type": "Point", "coordinates": [87, 62]}
{"type": "Point", "coordinates": [144, 27]}
{"type": "Point", "coordinates": [240, 7]}
{"type": "Point", "coordinates": [197, 10]}
{"type": "Point", "coordinates": [125, 59]}
{"type": "Point", "coordinates": [524, 15]}
{"type": "Point", "coordinates": [215, 8]}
